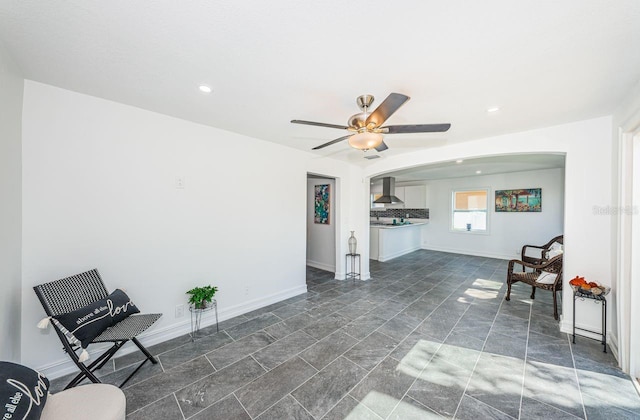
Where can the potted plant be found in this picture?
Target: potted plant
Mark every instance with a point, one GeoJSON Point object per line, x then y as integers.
{"type": "Point", "coordinates": [199, 297]}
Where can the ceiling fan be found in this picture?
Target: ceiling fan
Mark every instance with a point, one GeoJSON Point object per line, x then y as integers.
{"type": "Point", "coordinates": [366, 127]}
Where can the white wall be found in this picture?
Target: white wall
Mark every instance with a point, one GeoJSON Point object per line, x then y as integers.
{"type": "Point", "coordinates": [508, 232]}
{"type": "Point", "coordinates": [626, 121]}
{"type": "Point", "coordinates": [588, 148]}
{"type": "Point", "coordinates": [352, 207]}
{"type": "Point", "coordinates": [99, 191]}
{"type": "Point", "coordinates": [321, 239]}
{"type": "Point", "coordinates": [11, 88]}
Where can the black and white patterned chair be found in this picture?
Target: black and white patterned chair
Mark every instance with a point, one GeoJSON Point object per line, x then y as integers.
{"type": "Point", "coordinates": [75, 292]}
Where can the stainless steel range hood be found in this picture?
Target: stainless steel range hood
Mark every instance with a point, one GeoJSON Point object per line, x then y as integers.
{"type": "Point", "coordinates": [388, 191]}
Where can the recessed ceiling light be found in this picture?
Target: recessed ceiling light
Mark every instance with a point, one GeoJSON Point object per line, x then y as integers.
{"type": "Point", "coordinates": [459, 161]}
{"type": "Point", "coordinates": [478, 172]}
{"type": "Point", "coordinates": [492, 110]}
{"type": "Point", "coordinates": [204, 89]}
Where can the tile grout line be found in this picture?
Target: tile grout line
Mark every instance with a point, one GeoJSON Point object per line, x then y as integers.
{"type": "Point", "coordinates": [359, 340]}
{"type": "Point", "coordinates": [147, 405]}
{"type": "Point", "coordinates": [490, 406]}
{"type": "Point", "coordinates": [173, 392]}
{"type": "Point", "coordinates": [478, 359]}
{"type": "Point", "coordinates": [296, 400]}
{"type": "Point", "coordinates": [268, 370]}
{"type": "Point", "coordinates": [558, 409]}
{"type": "Point", "coordinates": [259, 364]}
{"type": "Point", "coordinates": [422, 405]}
{"type": "Point", "coordinates": [291, 392]}
{"type": "Point", "coordinates": [350, 396]}
{"type": "Point", "coordinates": [355, 363]}
{"type": "Point", "coordinates": [211, 363]}
{"type": "Point", "coordinates": [175, 397]}
{"type": "Point", "coordinates": [239, 402]}
{"type": "Point", "coordinates": [526, 355]}
{"type": "Point", "coordinates": [575, 372]}
{"type": "Point", "coordinates": [412, 331]}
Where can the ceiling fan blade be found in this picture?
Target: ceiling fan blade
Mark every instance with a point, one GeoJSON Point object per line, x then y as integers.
{"type": "Point", "coordinates": [416, 128]}
{"type": "Point", "coordinates": [318, 124]}
{"type": "Point", "coordinates": [390, 105]}
{"type": "Point", "coordinates": [383, 146]}
{"type": "Point", "coordinates": [331, 142]}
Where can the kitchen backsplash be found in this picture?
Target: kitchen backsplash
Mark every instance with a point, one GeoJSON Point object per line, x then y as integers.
{"type": "Point", "coordinates": [401, 213]}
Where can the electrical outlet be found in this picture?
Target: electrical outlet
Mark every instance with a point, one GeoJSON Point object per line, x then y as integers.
{"type": "Point", "coordinates": [179, 311]}
{"type": "Point", "coordinates": [180, 181]}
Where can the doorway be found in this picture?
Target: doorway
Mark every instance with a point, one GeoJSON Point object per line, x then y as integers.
{"type": "Point", "coordinates": [321, 222]}
{"type": "Point", "coordinates": [628, 284]}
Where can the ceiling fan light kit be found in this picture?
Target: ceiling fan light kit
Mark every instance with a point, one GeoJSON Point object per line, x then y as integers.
{"type": "Point", "coordinates": [365, 140]}
{"type": "Point", "coordinates": [367, 126]}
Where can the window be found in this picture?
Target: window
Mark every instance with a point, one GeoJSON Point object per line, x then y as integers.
{"type": "Point", "coordinates": [376, 205]}
{"type": "Point", "coordinates": [469, 210]}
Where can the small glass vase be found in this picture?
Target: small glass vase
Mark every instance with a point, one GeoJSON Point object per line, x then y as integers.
{"type": "Point", "coordinates": [353, 243]}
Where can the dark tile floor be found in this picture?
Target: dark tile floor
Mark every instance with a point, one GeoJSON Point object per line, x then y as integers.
{"type": "Point", "coordinates": [429, 336]}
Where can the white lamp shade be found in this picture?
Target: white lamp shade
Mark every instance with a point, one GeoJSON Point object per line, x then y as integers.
{"type": "Point", "coordinates": [365, 141]}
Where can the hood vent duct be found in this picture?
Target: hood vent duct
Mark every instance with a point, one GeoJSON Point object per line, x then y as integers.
{"type": "Point", "coordinates": [388, 191]}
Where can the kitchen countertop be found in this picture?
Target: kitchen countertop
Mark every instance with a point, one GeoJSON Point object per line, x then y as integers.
{"type": "Point", "coordinates": [392, 226]}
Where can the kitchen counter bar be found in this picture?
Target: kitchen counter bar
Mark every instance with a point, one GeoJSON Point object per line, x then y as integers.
{"type": "Point", "coordinates": [391, 241]}
{"type": "Point", "coordinates": [391, 226]}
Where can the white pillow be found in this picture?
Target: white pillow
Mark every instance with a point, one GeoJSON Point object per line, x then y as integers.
{"type": "Point", "coordinates": [553, 252]}
{"type": "Point", "coordinates": [546, 278]}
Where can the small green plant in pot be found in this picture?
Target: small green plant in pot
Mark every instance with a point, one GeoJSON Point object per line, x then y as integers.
{"type": "Point", "coordinates": [199, 297]}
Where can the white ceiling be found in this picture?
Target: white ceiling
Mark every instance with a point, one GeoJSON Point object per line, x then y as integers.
{"type": "Point", "coordinates": [543, 62]}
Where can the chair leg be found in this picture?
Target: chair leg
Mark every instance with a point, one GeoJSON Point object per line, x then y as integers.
{"type": "Point", "coordinates": [87, 371]}
{"type": "Point", "coordinates": [533, 292]}
{"type": "Point", "coordinates": [555, 306]}
{"type": "Point", "coordinates": [508, 296]}
{"type": "Point", "coordinates": [84, 373]}
{"type": "Point", "coordinates": [144, 350]}
{"type": "Point", "coordinates": [148, 357]}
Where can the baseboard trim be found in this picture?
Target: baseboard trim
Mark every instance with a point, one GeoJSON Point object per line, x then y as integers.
{"type": "Point", "coordinates": [613, 345]}
{"type": "Point", "coordinates": [321, 266]}
{"type": "Point", "coordinates": [567, 327]}
{"type": "Point", "coordinates": [65, 366]}
{"type": "Point", "coordinates": [468, 252]}
{"type": "Point", "coordinates": [398, 254]}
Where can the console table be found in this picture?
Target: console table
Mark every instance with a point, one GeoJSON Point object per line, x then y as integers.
{"type": "Point", "coordinates": [353, 274]}
{"type": "Point", "coordinates": [577, 294]}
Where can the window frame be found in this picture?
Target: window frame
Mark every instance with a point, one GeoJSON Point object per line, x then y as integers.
{"type": "Point", "coordinates": [452, 211]}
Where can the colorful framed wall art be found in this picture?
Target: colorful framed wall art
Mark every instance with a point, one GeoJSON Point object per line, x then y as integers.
{"type": "Point", "coordinates": [518, 201]}
{"type": "Point", "coordinates": [322, 204]}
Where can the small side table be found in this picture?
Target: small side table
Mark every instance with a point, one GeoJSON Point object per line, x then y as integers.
{"type": "Point", "coordinates": [353, 274]}
{"type": "Point", "coordinates": [196, 317]}
{"type": "Point", "coordinates": [596, 298]}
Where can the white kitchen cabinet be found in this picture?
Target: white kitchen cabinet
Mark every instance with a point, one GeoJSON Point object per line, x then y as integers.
{"type": "Point", "coordinates": [388, 242]}
{"type": "Point", "coordinates": [415, 197]}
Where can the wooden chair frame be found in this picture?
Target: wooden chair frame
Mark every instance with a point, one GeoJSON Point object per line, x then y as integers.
{"type": "Point", "coordinates": [543, 250]}
{"type": "Point", "coordinates": [554, 265]}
